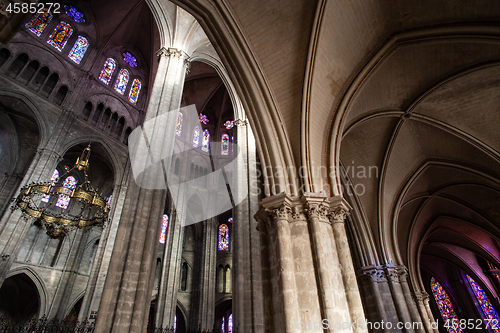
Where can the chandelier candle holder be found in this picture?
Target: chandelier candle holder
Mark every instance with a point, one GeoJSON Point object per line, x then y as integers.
{"type": "Point", "coordinates": [60, 207]}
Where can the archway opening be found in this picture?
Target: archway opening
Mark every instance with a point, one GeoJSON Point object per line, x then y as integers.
{"type": "Point", "coordinates": [19, 298]}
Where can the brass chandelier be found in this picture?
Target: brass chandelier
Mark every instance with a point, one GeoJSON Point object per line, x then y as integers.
{"type": "Point", "coordinates": [84, 207]}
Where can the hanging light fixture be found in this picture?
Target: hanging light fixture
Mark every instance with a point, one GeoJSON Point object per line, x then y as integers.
{"type": "Point", "coordinates": [62, 206]}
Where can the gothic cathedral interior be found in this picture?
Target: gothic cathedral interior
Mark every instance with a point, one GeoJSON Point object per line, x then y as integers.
{"type": "Point", "coordinates": [235, 166]}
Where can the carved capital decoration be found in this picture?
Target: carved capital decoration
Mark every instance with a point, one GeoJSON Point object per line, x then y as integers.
{"type": "Point", "coordinates": [282, 212]}
{"type": "Point", "coordinates": [392, 274]}
{"type": "Point", "coordinates": [240, 123]}
{"type": "Point", "coordinates": [297, 213]}
{"type": "Point", "coordinates": [171, 52]}
{"type": "Point", "coordinates": [373, 274]}
{"type": "Point", "coordinates": [338, 214]}
{"type": "Point", "coordinates": [421, 297]}
{"type": "Point", "coordinates": [317, 210]}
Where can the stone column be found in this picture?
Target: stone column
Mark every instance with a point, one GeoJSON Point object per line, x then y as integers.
{"type": "Point", "coordinates": [206, 306]}
{"type": "Point", "coordinates": [373, 276]}
{"type": "Point", "coordinates": [127, 292]}
{"type": "Point", "coordinates": [338, 212]}
{"type": "Point", "coordinates": [102, 259]}
{"type": "Point", "coordinates": [326, 262]}
{"type": "Point", "coordinates": [248, 312]}
{"type": "Point", "coordinates": [282, 274]}
{"type": "Point", "coordinates": [424, 311]}
{"type": "Point", "coordinates": [415, 316]}
{"type": "Point", "coordinates": [392, 274]}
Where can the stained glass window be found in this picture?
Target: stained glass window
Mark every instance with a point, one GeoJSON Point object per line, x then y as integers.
{"type": "Point", "coordinates": [203, 118]}
{"type": "Point", "coordinates": [484, 302]}
{"type": "Point", "coordinates": [230, 220]}
{"type": "Point", "coordinates": [229, 124]}
{"type": "Point", "coordinates": [107, 70]}
{"type": "Point", "coordinates": [224, 148]}
{"type": "Point", "coordinates": [121, 81]}
{"type": "Point", "coordinates": [206, 140]}
{"type": "Point", "coordinates": [133, 95]}
{"type": "Point", "coordinates": [108, 203]}
{"type": "Point", "coordinates": [60, 35]}
{"type": "Point", "coordinates": [180, 119]}
{"type": "Point", "coordinates": [175, 323]}
{"type": "Point", "coordinates": [196, 136]}
{"type": "Point", "coordinates": [222, 326]}
{"type": "Point", "coordinates": [445, 307]}
{"type": "Point", "coordinates": [79, 48]}
{"type": "Point", "coordinates": [230, 324]}
{"type": "Point", "coordinates": [74, 14]}
{"type": "Point", "coordinates": [130, 59]}
{"type": "Point", "coordinates": [63, 200]}
{"type": "Point", "coordinates": [53, 180]}
{"type": "Point", "coordinates": [223, 237]}
{"type": "Point", "coordinates": [39, 22]}
{"type": "Point", "coordinates": [67, 168]}
{"type": "Point", "coordinates": [164, 225]}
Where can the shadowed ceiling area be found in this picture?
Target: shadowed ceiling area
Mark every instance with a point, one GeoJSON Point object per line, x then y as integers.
{"type": "Point", "coordinates": [425, 118]}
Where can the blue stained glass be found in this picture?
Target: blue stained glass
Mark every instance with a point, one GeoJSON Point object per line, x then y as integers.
{"type": "Point", "coordinates": [76, 15]}
{"type": "Point", "coordinates": [229, 124]}
{"type": "Point", "coordinates": [164, 225]}
{"type": "Point", "coordinates": [108, 203]}
{"type": "Point", "coordinates": [175, 323]}
{"type": "Point", "coordinates": [230, 220]}
{"type": "Point", "coordinates": [121, 81]}
{"type": "Point", "coordinates": [206, 140]}
{"type": "Point", "coordinates": [445, 307]}
{"type": "Point", "coordinates": [60, 35]}
{"type": "Point", "coordinates": [63, 200]}
{"type": "Point", "coordinates": [196, 137]}
{"type": "Point", "coordinates": [222, 326]}
{"type": "Point", "coordinates": [230, 324]}
{"type": "Point", "coordinates": [130, 59]}
{"type": "Point", "coordinates": [223, 244]}
{"type": "Point", "coordinates": [39, 22]}
{"type": "Point", "coordinates": [79, 48]}
{"type": "Point", "coordinates": [489, 312]}
{"type": "Point", "coordinates": [107, 70]}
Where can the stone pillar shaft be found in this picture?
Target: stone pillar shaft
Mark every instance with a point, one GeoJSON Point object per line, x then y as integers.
{"type": "Point", "coordinates": [332, 294]}
{"type": "Point", "coordinates": [338, 215]}
{"type": "Point", "coordinates": [248, 314]}
{"type": "Point", "coordinates": [127, 292]}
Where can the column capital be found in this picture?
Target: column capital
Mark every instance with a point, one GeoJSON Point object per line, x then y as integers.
{"type": "Point", "coordinates": [316, 206]}
{"type": "Point", "coordinates": [172, 52]}
{"type": "Point", "coordinates": [372, 273]}
{"type": "Point", "coordinates": [339, 209]}
{"type": "Point", "coordinates": [240, 122]}
{"type": "Point", "coordinates": [420, 296]}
